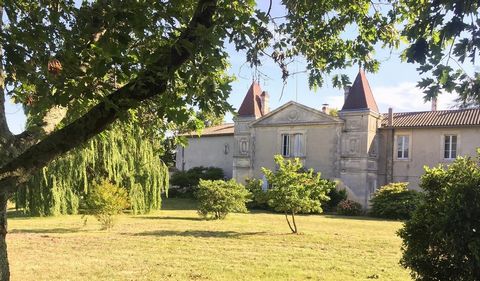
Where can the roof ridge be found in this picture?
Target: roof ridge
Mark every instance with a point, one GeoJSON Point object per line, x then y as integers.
{"type": "Point", "coordinates": [427, 111]}
{"type": "Point", "coordinates": [439, 118]}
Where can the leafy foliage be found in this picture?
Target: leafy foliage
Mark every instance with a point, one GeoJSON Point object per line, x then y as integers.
{"type": "Point", "coordinates": [105, 201]}
{"type": "Point", "coordinates": [442, 36]}
{"type": "Point", "coordinates": [293, 190]}
{"type": "Point", "coordinates": [218, 198]}
{"type": "Point", "coordinates": [442, 239]}
{"type": "Point", "coordinates": [333, 112]}
{"type": "Point", "coordinates": [395, 201]}
{"type": "Point", "coordinates": [122, 155]}
{"type": "Point", "coordinates": [186, 182]}
{"type": "Point", "coordinates": [335, 197]}
{"type": "Point", "coordinates": [259, 196]}
{"type": "Point", "coordinates": [349, 207]}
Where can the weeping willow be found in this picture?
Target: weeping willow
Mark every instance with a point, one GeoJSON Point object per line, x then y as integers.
{"type": "Point", "coordinates": [121, 155]}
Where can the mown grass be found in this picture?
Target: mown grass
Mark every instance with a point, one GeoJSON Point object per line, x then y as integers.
{"type": "Point", "coordinates": [174, 244]}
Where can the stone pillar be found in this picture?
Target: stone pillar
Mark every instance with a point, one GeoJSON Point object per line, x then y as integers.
{"type": "Point", "coordinates": [359, 153]}
{"type": "Point", "coordinates": [243, 149]}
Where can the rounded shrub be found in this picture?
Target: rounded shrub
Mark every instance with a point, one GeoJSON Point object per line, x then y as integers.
{"type": "Point", "coordinates": [106, 200]}
{"type": "Point", "coordinates": [442, 239]}
{"type": "Point", "coordinates": [395, 201]}
{"type": "Point", "coordinates": [349, 207]}
{"type": "Point", "coordinates": [218, 198]}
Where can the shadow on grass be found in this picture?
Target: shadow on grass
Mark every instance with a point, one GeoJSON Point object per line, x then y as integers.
{"type": "Point", "coordinates": [198, 233]}
{"type": "Point", "coordinates": [171, 218]}
{"type": "Point", "coordinates": [359, 218]}
{"type": "Point", "coordinates": [46, 230]}
{"type": "Point", "coordinates": [17, 214]}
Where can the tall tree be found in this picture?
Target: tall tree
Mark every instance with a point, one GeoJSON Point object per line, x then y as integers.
{"type": "Point", "coordinates": [123, 155]}
{"type": "Point", "coordinates": [78, 68]}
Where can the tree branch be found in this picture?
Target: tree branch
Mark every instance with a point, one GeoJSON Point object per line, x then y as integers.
{"type": "Point", "coordinates": [153, 81]}
{"type": "Point", "coordinates": [31, 136]}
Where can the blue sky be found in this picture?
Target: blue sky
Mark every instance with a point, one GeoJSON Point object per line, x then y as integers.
{"type": "Point", "coordinates": [393, 86]}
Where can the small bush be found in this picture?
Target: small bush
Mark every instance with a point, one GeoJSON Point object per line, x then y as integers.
{"type": "Point", "coordinates": [259, 196]}
{"type": "Point", "coordinates": [349, 208]}
{"type": "Point", "coordinates": [218, 198]}
{"type": "Point", "coordinates": [106, 200]}
{"type": "Point", "coordinates": [395, 201]}
{"type": "Point", "coordinates": [186, 182]}
{"type": "Point", "coordinates": [336, 196]}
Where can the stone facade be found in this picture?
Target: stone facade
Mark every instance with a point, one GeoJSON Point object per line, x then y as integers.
{"type": "Point", "coordinates": [361, 148]}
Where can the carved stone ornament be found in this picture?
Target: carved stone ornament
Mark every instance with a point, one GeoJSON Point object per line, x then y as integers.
{"type": "Point", "coordinates": [293, 115]}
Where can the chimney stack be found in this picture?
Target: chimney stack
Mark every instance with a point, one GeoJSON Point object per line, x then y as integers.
{"type": "Point", "coordinates": [346, 90]}
{"type": "Point", "coordinates": [325, 108]}
{"type": "Point", "coordinates": [434, 104]}
{"type": "Point", "coordinates": [390, 117]}
{"type": "Point", "coordinates": [265, 102]}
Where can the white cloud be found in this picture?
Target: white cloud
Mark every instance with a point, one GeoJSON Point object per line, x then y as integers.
{"type": "Point", "coordinates": [402, 97]}
{"type": "Point", "coordinates": [335, 101]}
{"type": "Point", "coordinates": [407, 97]}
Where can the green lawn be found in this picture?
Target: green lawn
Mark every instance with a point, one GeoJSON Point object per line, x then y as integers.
{"type": "Point", "coordinates": [174, 244]}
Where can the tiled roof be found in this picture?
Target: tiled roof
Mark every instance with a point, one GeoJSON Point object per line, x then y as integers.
{"type": "Point", "coordinates": [252, 103]}
{"type": "Point", "coordinates": [360, 95]}
{"type": "Point", "coordinates": [220, 130]}
{"type": "Point", "coordinates": [440, 118]}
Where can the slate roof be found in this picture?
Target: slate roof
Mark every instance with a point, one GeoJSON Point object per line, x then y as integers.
{"type": "Point", "coordinates": [252, 103]}
{"type": "Point", "coordinates": [360, 95]}
{"type": "Point", "coordinates": [439, 118]}
{"type": "Point", "coordinates": [220, 130]}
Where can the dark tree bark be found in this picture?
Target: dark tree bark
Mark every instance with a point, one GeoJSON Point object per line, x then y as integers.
{"type": "Point", "coordinates": [4, 266]}
{"type": "Point", "coordinates": [15, 170]}
{"type": "Point", "coordinates": [5, 137]}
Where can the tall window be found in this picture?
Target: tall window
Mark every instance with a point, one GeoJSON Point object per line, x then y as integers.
{"type": "Point", "coordinates": [450, 147]}
{"type": "Point", "coordinates": [402, 147]}
{"type": "Point", "coordinates": [285, 145]}
{"type": "Point", "coordinates": [292, 145]}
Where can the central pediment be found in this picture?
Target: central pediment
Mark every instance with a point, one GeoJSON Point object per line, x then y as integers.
{"type": "Point", "coordinates": [293, 113]}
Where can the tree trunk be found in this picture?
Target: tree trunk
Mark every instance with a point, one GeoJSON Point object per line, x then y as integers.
{"type": "Point", "coordinates": [4, 266]}
{"type": "Point", "coordinates": [289, 225]}
{"type": "Point", "coordinates": [294, 224]}
{"type": "Point", "coordinates": [17, 169]}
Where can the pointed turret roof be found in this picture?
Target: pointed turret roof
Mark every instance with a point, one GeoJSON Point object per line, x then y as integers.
{"type": "Point", "coordinates": [252, 103]}
{"type": "Point", "coordinates": [360, 95]}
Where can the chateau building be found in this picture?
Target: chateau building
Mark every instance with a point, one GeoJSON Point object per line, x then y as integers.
{"type": "Point", "coordinates": [361, 148]}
